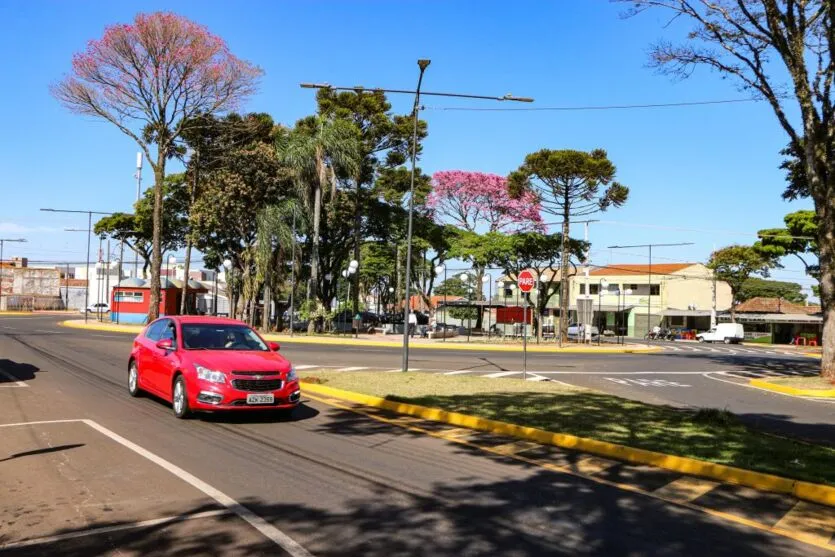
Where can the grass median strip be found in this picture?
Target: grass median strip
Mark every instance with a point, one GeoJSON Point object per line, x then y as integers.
{"type": "Point", "coordinates": [708, 434]}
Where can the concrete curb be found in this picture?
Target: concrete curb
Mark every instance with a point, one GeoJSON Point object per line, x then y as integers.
{"type": "Point", "coordinates": [109, 327]}
{"type": "Point", "coordinates": [786, 390]}
{"type": "Point", "coordinates": [816, 493]}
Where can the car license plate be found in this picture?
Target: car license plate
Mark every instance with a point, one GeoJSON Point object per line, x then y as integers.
{"type": "Point", "coordinates": [260, 399]}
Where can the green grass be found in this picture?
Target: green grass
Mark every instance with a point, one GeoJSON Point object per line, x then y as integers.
{"type": "Point", "coordinates": [760, 340]}
{"type": "Point", "coordinates": [708, 434]}
{"type": "Point", "coordinates": [816, 382]}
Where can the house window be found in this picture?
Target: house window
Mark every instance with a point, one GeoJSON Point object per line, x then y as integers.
{"type": "Point", "coordinates": [676, 321]}
{"type": "Point", "coordinates": [594, 289]}
{"type": "Point", "coordinates": [508, 292]}
{"type": "Point", "coordinates": [128, 297]}
{"type": "Point", "coordinates": [655, 289]}
{"type": "Point", "coordinates": [582, 289]}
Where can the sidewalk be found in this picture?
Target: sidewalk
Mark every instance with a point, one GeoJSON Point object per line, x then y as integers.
{"type": "Point", "coordinates": [396, 341]}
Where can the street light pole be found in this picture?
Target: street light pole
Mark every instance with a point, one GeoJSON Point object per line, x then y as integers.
{"type": "Point", "coordinates": [601, 284]}
{"type": "Point", "coordinates": [293, 273]}
{"type": "Point", "coordinates": [3, 241]}
{"type": "Point", "coordinates": [422, 64]}
{"type": "Point", "coordinates": [649, 273]}
{"type": "Point", "coordinates": [138, 177]}
{"type": "Point", "coordinates": [89, 232]}
{"type": "Point", "coordinates": [489, 280]}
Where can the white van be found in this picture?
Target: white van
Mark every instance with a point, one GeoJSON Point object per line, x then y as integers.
{"type": "Point", "coordinates": [729, 333]}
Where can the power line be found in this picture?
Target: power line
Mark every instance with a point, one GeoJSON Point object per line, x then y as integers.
{"type": "Point", "coordinates": [591, 107]}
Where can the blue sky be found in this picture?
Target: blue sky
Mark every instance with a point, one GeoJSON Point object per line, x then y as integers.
{"type": "Point", "coordinates": [708, 168]}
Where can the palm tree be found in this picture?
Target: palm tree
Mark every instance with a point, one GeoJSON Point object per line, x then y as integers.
{"type": "Point", "coordinates": [319, 149]}
{"type": "Point", "coordinates": [275, 236]}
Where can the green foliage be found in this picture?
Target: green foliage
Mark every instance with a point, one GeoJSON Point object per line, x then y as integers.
{"type": "Point", "coordinates": [137, 229]}
{"type": "Point", "coordinates": [569, 182]}
{"type": "Point", "coordinates": [755, 287]}
{"type": "Point", "coordinates": [735, 264]}
{"type": "Point", "coordinates": [798, 238]}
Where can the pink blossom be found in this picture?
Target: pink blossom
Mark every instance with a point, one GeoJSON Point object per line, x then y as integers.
{"type": "Point", "coordinates": [479, 200]}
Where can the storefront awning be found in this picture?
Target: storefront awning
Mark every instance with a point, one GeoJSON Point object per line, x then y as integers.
{"type": "Point", "coordinates": [685, 313]}
{"type": "Point", "coordinates": [797, 318]}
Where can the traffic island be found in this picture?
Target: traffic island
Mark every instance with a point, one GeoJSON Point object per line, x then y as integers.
{"type": "Point", "coordinates": [709, 443]}
{"type": "Point", "coordinates": [805, 387]}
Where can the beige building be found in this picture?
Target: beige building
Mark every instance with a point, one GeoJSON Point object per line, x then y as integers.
{"type": "Point", "coordinates": [632, 298]}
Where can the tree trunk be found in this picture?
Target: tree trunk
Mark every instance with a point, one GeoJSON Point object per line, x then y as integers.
{"type": "Point", "coordinates": [826, 234]}
{"type": "Point", "coordinates": [156, 254]}
{"type": "Point", "coordinates": [733, 308]}
{"type": "Point", "coordinates": [564, 294]}
{"type": "Point", "coordinates": [184, 301]}
{"type": "Point", "coordinates": [479, 320]}
{"type": "Point", "coordinates": [265, 318]}
{"type": "Point", "coordinates": [357, 222]}
{"type": "Point", "coordinates": [251, 316]}
{"type": "Point", "coordinates": [314, 253]}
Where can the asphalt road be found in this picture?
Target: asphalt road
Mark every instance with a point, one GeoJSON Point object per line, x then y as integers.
{"type": "Point", "coordinates": [130, 479]}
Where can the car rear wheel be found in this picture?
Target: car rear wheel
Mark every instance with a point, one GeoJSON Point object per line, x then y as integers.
{"type": "Point", "coordinates": [133, 379]}
{"type": "Point", "coordinates": [179, 400]}
{"type": "Point", "coordinates": [727, 340]}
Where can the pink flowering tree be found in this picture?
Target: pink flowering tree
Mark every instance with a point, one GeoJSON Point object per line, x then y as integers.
{"type": "Point", "coordinates": [479, 201]}
{"type": "Point", "coordinates": [151, 79]}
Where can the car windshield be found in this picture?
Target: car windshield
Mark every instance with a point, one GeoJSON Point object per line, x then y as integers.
{"type": "Point", "coordinates": [212, 336]}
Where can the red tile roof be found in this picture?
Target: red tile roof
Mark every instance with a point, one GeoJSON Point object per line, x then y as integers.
{"type": "Point", "coordinates": [640, 269]}
{"type": "Point", "coordinates": [774, 305]}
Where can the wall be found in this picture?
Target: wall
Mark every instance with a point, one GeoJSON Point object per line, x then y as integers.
{"type": "Point", "coordinates": [694, 288]}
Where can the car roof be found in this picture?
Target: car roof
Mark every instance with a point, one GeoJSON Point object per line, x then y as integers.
{"type": "Point", "coordinates": [205, 320]}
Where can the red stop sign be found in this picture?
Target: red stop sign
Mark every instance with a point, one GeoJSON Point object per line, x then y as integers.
{"type": "Point", "coordinates": [526, 281]}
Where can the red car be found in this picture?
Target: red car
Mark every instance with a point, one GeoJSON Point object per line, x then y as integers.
{"type": "Point", "coordinates": [211, 363]}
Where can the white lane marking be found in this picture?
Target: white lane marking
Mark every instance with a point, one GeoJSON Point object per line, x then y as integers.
{"type": "Point", "coordinates": [265, 528]}
{"type": "Point", "coordinates": [49, 332]}
{"type": "Point", "coordinates": [305, 367]}
{"type": "Point", "coordinates": [628, 372]}
{"type": "Point", "coordinates": [501, 374]}
{"type": "Point", "coordinates": [459, 372]}
{"type": "Point", "coordinates": [351, 368]}
{"type": "Point", "coordinates": [17, 382]}
{"type": "Point", "coordinates": [42, 422]}
{"type": "Point", "coordinates": [646, 382]}
{"type": "Point", "coordinates": [674, 348]}
{"type": "Point", "coordinates": [535, 377]}
{"type": "Point", "coordinates": [109, 529]}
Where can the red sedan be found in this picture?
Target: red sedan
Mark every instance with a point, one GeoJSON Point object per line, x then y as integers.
{"type": "Point", "coordinates": [211, 363]}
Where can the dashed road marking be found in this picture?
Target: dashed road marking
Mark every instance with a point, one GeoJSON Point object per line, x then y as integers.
{"type": "Point", "coordinates": [501, 374]}
{"type": "Point", "coordinates": [646, 382]}
{"type": "Point", "coordinates": [354, 368]}
{"type": "Point", "coordinates": [814, 521]}
{"type": "Point", "coordinates": [111, 529]}
{"type": "Point", "coordinates": [298, 368]}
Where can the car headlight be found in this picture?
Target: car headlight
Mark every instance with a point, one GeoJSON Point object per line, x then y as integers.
{"type": "Point", "coordinates": [209, 375]}
{"type": "Point", "coordinates": [292, 376]}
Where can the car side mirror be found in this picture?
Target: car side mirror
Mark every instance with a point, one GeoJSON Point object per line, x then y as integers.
{"type": "Point", "coordinates": [274, 346]}
{"type": "Point", "coordinates": [165, 344]}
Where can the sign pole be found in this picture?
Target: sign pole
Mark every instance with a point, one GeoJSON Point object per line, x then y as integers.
{"type": "Point", "coordinates": [524, 337]}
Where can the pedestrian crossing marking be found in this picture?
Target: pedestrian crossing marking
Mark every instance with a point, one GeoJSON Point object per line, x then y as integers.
{"type": "Point", "coordinates": [501, 374]}
{"type": "Point", "coordinates": [686, 489]}
{"type": "Point", "coordinates": [593, 465]}
{"type": "Point", "coordinates": [514, 448]}
{"type": "Point", "coordinates": [815, 522]}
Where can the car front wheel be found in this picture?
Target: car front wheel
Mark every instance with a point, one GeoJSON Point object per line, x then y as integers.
{"type": "Point", "coordinates": [133, 379]}
{"type": "Point", "coordinates": [179, 400]}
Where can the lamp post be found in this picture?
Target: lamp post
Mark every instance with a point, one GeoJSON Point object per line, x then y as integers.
{"type": "Point", "coordinates": [649, 281]}
{"type": "Point", "coordinates": [625, 293]}
{"type": "Point", "coordinates": [3, 241]}
{"type": "Point", "coordinates": [89, 231]}
{"type": "Point", "coordinates": [293, 274]}
{"type": "Point", "coordinates": [391, 292]}
{"type": "Point", "coordinates": [488, 280]}
{"type": "Point", "coordinates": [465, 278]}
{"type": "Point", "coordinates": [347, 274]}
{"type": "Point", "coordinates": [438, 270]}
{"type": "Point", "coordinates": [422, 64]}
{"type": "Point", "coordinates": [138, 177]}
{"type": "Point", "coordinates": [601, 284]}
{"type": "Point", "coordinates": [227, 265]}
{"type": "Point", "coordinates": [512, 287]}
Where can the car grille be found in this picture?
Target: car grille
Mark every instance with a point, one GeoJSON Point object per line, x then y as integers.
{"type": "Point", "coordinates": [257, 385]}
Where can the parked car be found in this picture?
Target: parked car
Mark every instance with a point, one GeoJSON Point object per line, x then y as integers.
{"type": "Point", "coordinates": [344, 321]}
{"type": "Point", "coordinates": [101, 307]}
{"type": "Point", "coordinates": [203, 363]}
{"type": "Point", "coordinates": [729, 333]}
{"type": "Point", "coordinates": [574, 331]}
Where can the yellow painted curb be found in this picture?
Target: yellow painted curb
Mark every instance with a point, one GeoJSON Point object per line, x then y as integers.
{"type": "Point", "coordinates": [785, 389]}
{"type": "Point", "coordinates": [766, 482]}
{"type": "Point", "coordinates": [109, 327]}
{"type": "Point", "coordinates": [456, 346]}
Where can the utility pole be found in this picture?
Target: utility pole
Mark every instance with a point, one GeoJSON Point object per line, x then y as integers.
{"type": "Point", "coordinates": [422, 65]}
{"type": "Point", "coordinates": [649, 273]}
{"type": "Point", "coordinates": [138, 177]}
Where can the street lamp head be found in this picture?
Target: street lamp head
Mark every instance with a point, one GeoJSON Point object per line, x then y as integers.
{"type": "Point", "coordinates": [628, 291]}
{"type": "Point", "coordinates": [423, 63]}
{"type": "Point", "coordinates": [510, 97]}
{"type": "Point", "coordinates": [354, 264]}
{"type": "Point", "coordinates": [391, 289]}
{"type": "Point", "coordinates": [227, 264]}
{"type": "Point", "coordinates": [464, 277]}
{"type": "Point", "coordinates": [345, 273]}
{"type": "Point", "coordinates": [172, 259]}
{"type": "Point", "coordinates": [314, 85]}
{"type": "Point", "coordinates": [328, 277]}
{"type": "Point", "coordinates": [604, 283]}
{"type": "Point", "coordinates": [440, 269]}
{"type": "Point", "coordinates": [486, 278]}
